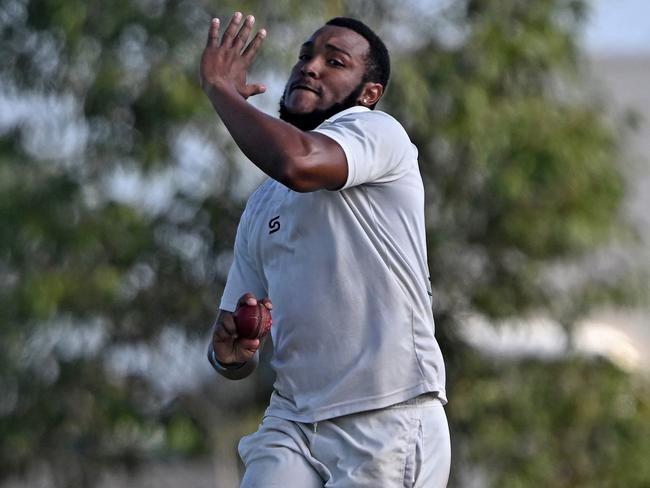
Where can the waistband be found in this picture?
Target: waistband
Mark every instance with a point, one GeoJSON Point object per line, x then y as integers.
{"type": "Point", "coordinates": [429, 398]}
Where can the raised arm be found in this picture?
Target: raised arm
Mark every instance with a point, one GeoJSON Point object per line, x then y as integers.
{"type": "Point", "coordinates": [302, 161]}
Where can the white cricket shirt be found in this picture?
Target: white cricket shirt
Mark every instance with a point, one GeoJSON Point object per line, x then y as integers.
{"type": "Point", "coordinates": [347, 273]}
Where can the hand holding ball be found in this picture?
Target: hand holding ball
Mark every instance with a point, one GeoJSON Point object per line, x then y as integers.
{"type": "Point", "coordinates": [253, 321]}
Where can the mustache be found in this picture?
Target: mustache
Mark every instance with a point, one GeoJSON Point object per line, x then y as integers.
{"type": "Point", "coordinates": [311, 120]}
{"type": "Point", "coordinates": [304, 86]}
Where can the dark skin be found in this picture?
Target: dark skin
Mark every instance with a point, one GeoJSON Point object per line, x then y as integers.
{"type": "Point", "coordinates": [330, 66]}
{"type": "Point", "coordinates": [228, 347]}
{"type": "Point", "coordinates": [302, 161]}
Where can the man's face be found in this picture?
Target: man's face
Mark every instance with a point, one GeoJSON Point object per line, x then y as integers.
{"type": "Point", "coordinates": [327, 78]}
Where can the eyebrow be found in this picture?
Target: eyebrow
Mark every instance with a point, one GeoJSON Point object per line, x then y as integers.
{"type": "Point", "coordinates": [310, 44]}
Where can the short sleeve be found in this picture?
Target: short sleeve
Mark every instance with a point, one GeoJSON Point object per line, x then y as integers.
{"type": "Point", "coordinates": [376, 146]}
{"type": "Point", "coordinates": [242, 276]}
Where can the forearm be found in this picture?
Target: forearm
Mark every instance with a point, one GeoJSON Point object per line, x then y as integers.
{"type": "Point", "coordinates": [299, 160]}
{"type": "Point", "coordinates": [302, 161]}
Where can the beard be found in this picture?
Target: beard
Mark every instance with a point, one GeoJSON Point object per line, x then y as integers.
{"type": "Point", "coordinates": [313, 119]}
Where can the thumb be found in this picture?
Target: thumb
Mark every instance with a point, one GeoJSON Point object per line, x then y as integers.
{"type": "Point", "coordinates": [254, 89]}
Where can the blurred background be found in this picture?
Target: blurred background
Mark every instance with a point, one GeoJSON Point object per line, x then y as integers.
{"type": "Point", "coordinates": [120, 192]}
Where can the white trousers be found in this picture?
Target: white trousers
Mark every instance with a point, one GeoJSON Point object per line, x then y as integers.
{"type": "Point", "coordinates": [405, 445]}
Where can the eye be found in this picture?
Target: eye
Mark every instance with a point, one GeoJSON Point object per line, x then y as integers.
{"type": "Point", "coordinates": [335, 62]}
{"type": "Point", "coordinates": [304, 57]}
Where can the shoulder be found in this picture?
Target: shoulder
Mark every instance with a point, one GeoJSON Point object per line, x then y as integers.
{"type": "Point", "coordinates": [364, 116]}
{"type": "Point", "coordinates": [385, 123]}
{"type": "Point", "coordinates": [358, 121]}
{"type": "Point", "coordinates": [378, 117]}
{"type": "Point", "coordinates": [376, 146]}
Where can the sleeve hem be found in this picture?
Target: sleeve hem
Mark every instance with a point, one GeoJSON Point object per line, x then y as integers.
{"type": "Point", "coordinates": [351, 173]}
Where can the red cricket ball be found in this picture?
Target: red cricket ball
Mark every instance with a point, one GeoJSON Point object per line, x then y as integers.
{"type": "Point", "coordinates": [253, 321]}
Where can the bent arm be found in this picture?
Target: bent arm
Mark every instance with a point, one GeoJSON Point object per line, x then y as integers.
{"type": "Point", "coordinates": [302, 161]}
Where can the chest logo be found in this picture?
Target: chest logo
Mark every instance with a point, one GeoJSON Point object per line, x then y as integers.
{"type": "Point", "coordinates": [274, 225]}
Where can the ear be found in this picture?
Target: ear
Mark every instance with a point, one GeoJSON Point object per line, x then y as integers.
{"type": "Point", "coordinates": [370, 94]}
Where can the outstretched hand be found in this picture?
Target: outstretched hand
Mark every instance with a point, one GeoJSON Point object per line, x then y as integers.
{"type": "Point", "coordinates": [225, 63]}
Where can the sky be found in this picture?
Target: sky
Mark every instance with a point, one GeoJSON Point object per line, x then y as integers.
{"type": "Point", "coordinates": [614, 27]}
{"type": "Point", "coordinates": [619, 27]}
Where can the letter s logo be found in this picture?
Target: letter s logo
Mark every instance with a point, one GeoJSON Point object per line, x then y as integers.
{"type": "Point", "coordinates": [274, 225]}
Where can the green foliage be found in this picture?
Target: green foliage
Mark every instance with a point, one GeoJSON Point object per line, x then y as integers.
{"type": "Point", "coordinates": [73, 253]}
{"type": "Point", "coordinates": [518, 173]}
{"type": "Point", "coordinates": [521, 174]}
{"type": "Point", "coordinates": [570, 423]}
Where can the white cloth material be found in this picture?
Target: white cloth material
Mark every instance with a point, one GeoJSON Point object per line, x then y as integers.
{"type": "Point", "coordinates": [347, 273]}
{"type": "Point", "coordinates": [406, 445]}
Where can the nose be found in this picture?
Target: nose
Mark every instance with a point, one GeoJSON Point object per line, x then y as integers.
{"type": "Point", "coordinates": [310, 68]}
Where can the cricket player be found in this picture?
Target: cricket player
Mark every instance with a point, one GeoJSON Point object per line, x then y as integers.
{"type": "Point", "coordinates": [336, 238]}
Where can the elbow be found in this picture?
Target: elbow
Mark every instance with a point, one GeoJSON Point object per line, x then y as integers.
{"type": "Point", "coordinates": [318, 163]}
{"type": "Point", "coordinates": [298, 176]}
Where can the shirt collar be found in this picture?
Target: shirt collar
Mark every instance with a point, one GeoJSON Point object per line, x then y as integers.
{"type": "Point", "coordinates": [351, 110]}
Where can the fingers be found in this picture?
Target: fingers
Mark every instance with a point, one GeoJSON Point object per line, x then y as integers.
{"type": "Point", "coordinates": [267, 303]}
{"type": "Point", "coordinates": [228, 347]}
{"type": "Point", "coordinates": [237, 37]}
{"type": "Point", "coordinates": [242, 36]}
{"type": "Point", "coordinates": [227, 321]}
{"type": "Point", "coordinates": [231, 30]}
{"type": "Point", "coordinates": [213, 33]}
{"type": "Point", "coordinates": [244, 351]}
{"type": "Point", "coordinates": [250, 345]}
{"type": "Point", "coordinates": [252, 90]}
{"type": "Point", "coordinates": [221, 334]}
{"type": "Point", "coordinates": [234, 351]}
{"type": "Point", "coordinates": [229, 59]}
{"type": "Point", "coordinates": [251, 49]}
{"type": "Point", "coordinates": [246, 299]}
{"type": "Point", "coordinates": [249, 298]}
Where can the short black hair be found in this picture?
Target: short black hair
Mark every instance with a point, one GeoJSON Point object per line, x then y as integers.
{"type": "Point", "coordinates": [378, 61]}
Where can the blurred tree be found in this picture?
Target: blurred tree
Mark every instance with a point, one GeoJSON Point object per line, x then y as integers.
{"type": "Point", "coordinates": [525, 189]}
{"type": "Point", "coordinates": [571, 423]}
{"type": "Point", "coordinates": [120, 193]}
{"type": "Point", "coordinates": [117, 211]}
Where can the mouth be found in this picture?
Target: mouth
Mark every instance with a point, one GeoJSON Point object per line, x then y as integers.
{"type": "Point", "coordinates": [304, 86]}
